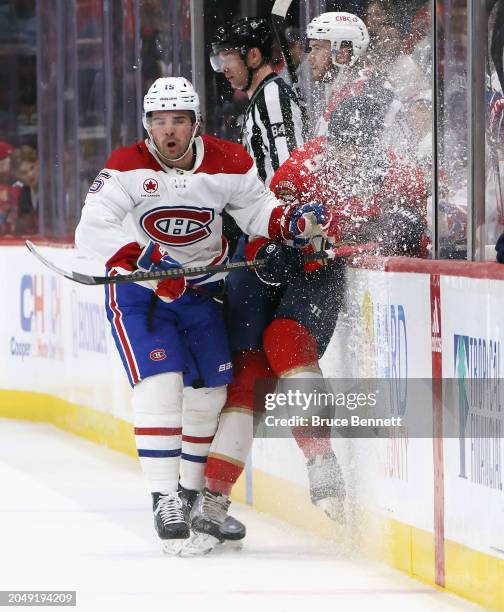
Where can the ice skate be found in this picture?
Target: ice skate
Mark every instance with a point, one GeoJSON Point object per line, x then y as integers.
{"type": "Point", "coordinates": [207, 517]}
{"type": "Point", "coordinates": [232, 529]}
{"type": "Point", "coordinates": [170, 522]}
{"type": "Point", "coordinates": [187, 497]}
{"type": "Point", "coordinates": [327, 486]}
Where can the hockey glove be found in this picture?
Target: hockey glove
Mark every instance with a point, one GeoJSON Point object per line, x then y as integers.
{"type": "Point", "coordinates": [301, 223]}
{"type": "Point", "coordinates": [399, 231]}
{"type": "Point", "coordinates": [499, 247]}
{"type": "Point", "coordinates": [155, 259]}
{"type": "Point", "coordinates": [283, 263]}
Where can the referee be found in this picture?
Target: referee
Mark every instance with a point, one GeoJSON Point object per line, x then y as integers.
{"type": "Point", "coordinates": [272, 126]}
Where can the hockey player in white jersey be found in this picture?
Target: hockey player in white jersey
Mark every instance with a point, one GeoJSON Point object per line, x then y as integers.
{"type": "Point", "coordinates": [157, 205]}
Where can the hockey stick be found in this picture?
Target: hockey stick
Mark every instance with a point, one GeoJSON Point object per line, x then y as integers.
{"type": "Point", "coordinates": [341, 250]}
{"type": "Point", "coordinates": [278, 16]}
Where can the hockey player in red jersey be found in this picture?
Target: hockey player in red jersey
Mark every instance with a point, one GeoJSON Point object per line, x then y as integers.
{"type": "Point", "coordinates": [366, 186]}
{"type": "Point", "coordinates": [338, 43]}
{"type": "Point", "coordinates": [285, 328]}
{"type": "Point", "coordinates": [155, 206]}
{"type": "Point", "coordinates": [337, 46]}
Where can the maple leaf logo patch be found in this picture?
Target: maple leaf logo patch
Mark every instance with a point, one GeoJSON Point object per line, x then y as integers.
{"type": "Point", "coordinates": [150, 185]}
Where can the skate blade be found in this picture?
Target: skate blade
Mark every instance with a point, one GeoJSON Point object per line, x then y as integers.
{"type": "Point", "coordinates": [172, 548]}
{"type": "Point", "coordinates": [198, 544]}
{"type": "Point", "coordinates": [229, 545]}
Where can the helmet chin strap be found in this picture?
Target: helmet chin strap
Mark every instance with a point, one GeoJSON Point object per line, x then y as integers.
{"type": "Point", "coordinates": [166, 159]}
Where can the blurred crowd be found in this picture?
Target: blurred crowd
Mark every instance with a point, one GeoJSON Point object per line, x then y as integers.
{"type": "Point", "coordinates": [19, 188]}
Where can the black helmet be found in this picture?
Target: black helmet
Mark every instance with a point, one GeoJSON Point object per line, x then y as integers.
{"type": "Point", "coordinates": [245, 34]}
{"type": "Point", "coordinates": [358, 120]}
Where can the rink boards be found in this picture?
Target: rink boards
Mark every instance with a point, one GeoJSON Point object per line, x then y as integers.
{"type": "Point", "coordinates": [432, 507]}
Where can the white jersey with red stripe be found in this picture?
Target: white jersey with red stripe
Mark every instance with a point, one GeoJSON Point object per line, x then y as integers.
{"type": "Point", "coordinates": [137, 198]}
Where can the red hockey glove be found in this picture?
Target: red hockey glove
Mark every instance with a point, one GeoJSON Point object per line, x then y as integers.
{"type": "Point", "coordinates": [301, 223]}
{"type": "Point", "coordinates": [154, 258]}
{"type": "Point", "coordinates": [125, 260]}
{"type": "Point", "coordinates": [151, 259]}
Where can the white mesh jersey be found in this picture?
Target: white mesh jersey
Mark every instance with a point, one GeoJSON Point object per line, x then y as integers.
{"type": "Point", "coordinates": [136, 198]}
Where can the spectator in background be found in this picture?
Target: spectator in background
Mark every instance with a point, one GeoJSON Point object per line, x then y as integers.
{"type": "Point", "coordinates": [8, 193]}
{"type": "Point", "coordinates": [5, 162]}
{"type": "Point", "coordinates": [406, 77]}
{"type": "Point", "coordinates": [26, 169]}
{"type": "Point", "coordinates": [378, 12]}
{"type": "Point", "coordinates": [420, 27]}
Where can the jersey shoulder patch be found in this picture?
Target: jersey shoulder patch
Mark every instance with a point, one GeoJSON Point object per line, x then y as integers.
{"type": "Point", "coordinates": [133, 157]}
{"type": "Point", "coordinates": [224, 157]}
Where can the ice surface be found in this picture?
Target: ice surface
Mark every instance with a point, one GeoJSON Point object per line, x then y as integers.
{"type": "Point", "coordinates": [75, 516]}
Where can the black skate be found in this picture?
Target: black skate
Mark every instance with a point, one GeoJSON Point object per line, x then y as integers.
{"type": "Point", "coordinates": [232, 528]}
{"type": "Point", "coordinates": [327, 486]}
{"type": "Point", "coordinates": [169, 520]}
{"type": "Point", "coordinates": [208, 515]}
{"type": "Point", "coordinates": [187, 497]}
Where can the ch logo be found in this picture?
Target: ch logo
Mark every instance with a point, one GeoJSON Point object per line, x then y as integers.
{"type": "Point", "coordinates": [315, 310]}
{"type": "Point", "coordinates": [158, 355]}
{"type": "Point", "coordinates": [178, 226]}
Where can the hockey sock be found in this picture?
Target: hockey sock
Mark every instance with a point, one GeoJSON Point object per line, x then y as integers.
{"type": "Point", "coordinates": [157, 402]}
{"type": "Point", "coordinates": [295, 357]}
{"type": "Point", "coordinates": [201, 409]}
{"type": "Point", "coordinates": [234, 436]}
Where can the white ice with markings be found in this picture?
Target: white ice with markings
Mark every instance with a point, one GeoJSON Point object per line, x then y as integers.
{"type": "Point", "coordinates": [74, 515]}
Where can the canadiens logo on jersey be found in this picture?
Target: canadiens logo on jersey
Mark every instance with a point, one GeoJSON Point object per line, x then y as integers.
{"type": "Point", "coordinates": [157, 355]}
{"type": "Point", "coordinates": [177, 226]}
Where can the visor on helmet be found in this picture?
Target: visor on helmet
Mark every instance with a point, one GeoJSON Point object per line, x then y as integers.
{"type": "Point", "coordinates": [224, 56]}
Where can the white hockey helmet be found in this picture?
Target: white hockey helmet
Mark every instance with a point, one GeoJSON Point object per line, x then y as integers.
{"type": "Point", "coordinates": [338, 27]}
{"type": "Point", "coordinates": [171, 93]}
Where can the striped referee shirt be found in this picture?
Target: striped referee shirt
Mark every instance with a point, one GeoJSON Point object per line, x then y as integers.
{"type": "Point", "coordinates": [272, 125]}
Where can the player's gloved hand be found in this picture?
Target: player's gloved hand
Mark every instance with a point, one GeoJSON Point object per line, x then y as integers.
{"type": "Point", "coordinates": [399, 231]}
{"type": "Point", "coordinates": [499, 247]}
{"type": "Point", "coordinates": [283, 263]}
{"type": "Point", "coordinates": [301, 223]}
{"type": "Point", "coordinates": [154, 258]}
